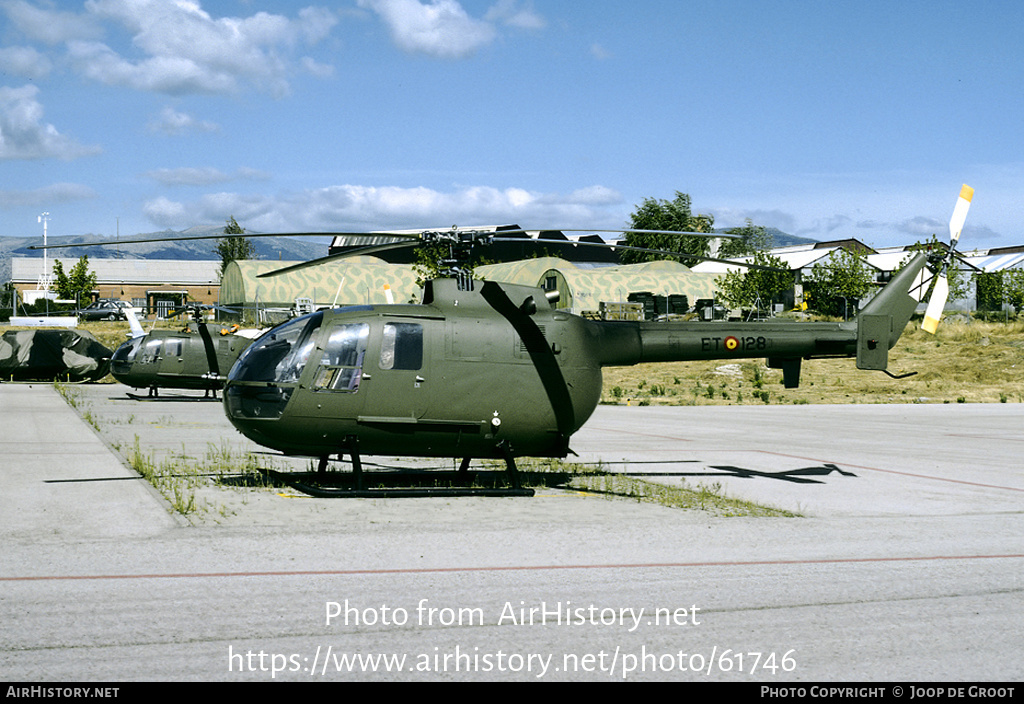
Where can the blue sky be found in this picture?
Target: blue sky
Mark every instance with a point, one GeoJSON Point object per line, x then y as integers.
{"type": "Point", "coordinates": [824, 119]}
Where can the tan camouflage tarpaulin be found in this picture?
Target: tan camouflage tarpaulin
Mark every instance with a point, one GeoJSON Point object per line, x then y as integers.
{"type": "Point", "coordinates": [582, 290]}
{"type": "Point", "coordinates": [528, 272]}
{"type": "Point", "coordinates": [362, 280]}
{"type": "Point", "coordinates": [352, 281]}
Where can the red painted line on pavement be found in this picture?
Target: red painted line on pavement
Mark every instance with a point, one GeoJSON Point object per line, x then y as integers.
{"type": "Point", "coordinates": [514, 568]}
{"type": "Point", "coordinates": [893, 471]}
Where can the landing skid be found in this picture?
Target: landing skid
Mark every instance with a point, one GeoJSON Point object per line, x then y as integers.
{"type": "Point", "coordinates": [402, 483]}
{"type": "Point", "coordinates": [174, 397]}
{"type": "Point", "coordinates": [341, 485]}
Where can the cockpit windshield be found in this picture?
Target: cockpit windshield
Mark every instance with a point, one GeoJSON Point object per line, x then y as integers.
{"type": "Point", "coordinates": [127, 351]}
{"type": "Point", "coordinates": [281, 354]}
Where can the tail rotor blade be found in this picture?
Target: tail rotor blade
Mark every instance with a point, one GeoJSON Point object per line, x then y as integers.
{"type": "Point", "coordinates": [936, 303]}
{"type": "Point", "coordinates": [956, 223]}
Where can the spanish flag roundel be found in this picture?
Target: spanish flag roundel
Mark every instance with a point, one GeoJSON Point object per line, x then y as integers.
{"type": "Point", "coordinates": [731, 343]}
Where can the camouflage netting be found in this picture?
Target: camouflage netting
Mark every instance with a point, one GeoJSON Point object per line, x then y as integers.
{"type": "Point", "coordinates": [361, 281]}
{"type": "Point", "coordinates": [45, 355]}
{"type": "Point", "coordinates": [354, 281]}
{"type": "Point", "coordinates": [584, 289]}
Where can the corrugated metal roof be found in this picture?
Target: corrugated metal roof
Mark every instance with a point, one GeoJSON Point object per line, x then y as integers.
{"type": "Point", "coordinates": [128, 271]}
{"type": "Point", "coordinates": [999, 262]}
{"type": "Point", "coordinates": [794, 258]}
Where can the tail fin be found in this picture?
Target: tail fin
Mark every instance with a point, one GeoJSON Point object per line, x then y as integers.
{"type": "Point", "coordinates": [133, 323]}
{"type": "Point", "coordinates": [885, 317]}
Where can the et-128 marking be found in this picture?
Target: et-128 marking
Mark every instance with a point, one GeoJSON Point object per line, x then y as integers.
{"type": "Point", "coordinates": [733, 344]}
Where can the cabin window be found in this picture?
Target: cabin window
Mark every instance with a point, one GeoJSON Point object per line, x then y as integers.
{"type": "Point", "coordinates": [172, 347]}
{"type": "Point", "coordinates": [341, 367]}
{"type": "Point", "coordinates": [151, 351]}
{"type": "Point", "coordinates": [402, 346]}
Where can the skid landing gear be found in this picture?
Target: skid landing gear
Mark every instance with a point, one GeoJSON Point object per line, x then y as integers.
{"type": "Point", "coordinates": [402, 483]}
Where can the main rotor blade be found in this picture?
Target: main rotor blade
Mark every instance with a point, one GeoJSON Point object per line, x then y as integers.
{"type": "Point", "coordinates": [710, 235]}
{"type": "Point", "coordinates": [654, 251]}
{"type": "Point", "coordinates": [362, 251]}
{"type": "Point", "coordinates": [185, 238]}
{"type": "Point", "coordinates": [405, 234]}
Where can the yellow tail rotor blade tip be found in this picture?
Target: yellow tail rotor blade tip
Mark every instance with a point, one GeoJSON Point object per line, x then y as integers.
{"type": "Point", "coordinates": [966, 192]}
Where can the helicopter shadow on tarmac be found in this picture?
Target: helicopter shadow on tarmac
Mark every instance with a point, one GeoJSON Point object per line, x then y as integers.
{"type": "Point", "coordinates": [796, 476]}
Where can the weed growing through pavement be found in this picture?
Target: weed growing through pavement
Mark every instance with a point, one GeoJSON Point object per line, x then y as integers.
{"type": "Point", "coordinates": [177, 477]}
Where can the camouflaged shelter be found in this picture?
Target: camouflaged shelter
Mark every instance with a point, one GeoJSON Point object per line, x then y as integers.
{"type": "Point", "coordinates": [353, 281]}
{"type": "Point", "coordinates": [582, 290]}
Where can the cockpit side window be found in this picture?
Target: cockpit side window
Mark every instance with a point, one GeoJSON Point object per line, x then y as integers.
{"type": "Point", "coordinates": [341, 367]}
{"type": "Point", "coordinates": [402, 346]}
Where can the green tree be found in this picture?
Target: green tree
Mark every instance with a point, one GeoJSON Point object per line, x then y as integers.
{"type": "Point", "coordinates": [234, 247]}
{"type": "Point", "coordinates": [76, 285]}
{"type": "Point", "coordinates": [675, 216]}
{"type": "Point", "coordinates": [428, 261]}
{"type": "Point", "coordinates": [835, 286]}
{"type": "Point", "coordinates": [997, 288]}
{"type": "Point", "coordinates": [752, 238]}
{"type": "Point", "coordinates": [750, 288]}
{"type": "Point", "coordinates": [1013, 287]}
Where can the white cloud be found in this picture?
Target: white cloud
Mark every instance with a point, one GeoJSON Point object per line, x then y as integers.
{"type": "Point", "coordinates": [50, 26]}
{"type": "Point", "coordinates": [183, 49]}
{"type": "Point", "coordinates": [166, 213]}
{"type": "Point", "coordinates": [355, 207]}
{"type": "Point", "coordinates": [440, 28]}
{"type": "Point", "coordinates": [516, 14]}
{"type": "Point", "coordinates": [46, 196]}
{"type": "Point", "coordinates": [174, 123]}
{"type": "Point", "coordinates": [202, 176]}
{"type": "Point", "coordinates": [923, 227]}
{"type": "Point", "coordinates": [24, 135]}
{"type": "Point", "coordinates": [24, 61]}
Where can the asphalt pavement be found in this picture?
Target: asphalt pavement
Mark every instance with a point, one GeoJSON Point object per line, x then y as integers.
{"type": "Point", "coordinates": [904, 564]}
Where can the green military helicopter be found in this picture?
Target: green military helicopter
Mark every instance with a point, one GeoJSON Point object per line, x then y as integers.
{"type": "Point", "coordinates": [487, 370]}
{"type": "Point", "coordinates": [482, 369]}
{"type": "Point", "coordinates": [196, 357]}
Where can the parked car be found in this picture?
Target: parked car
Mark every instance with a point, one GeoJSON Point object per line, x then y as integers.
{"type": "Point", "coordinates": [104, 309]}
